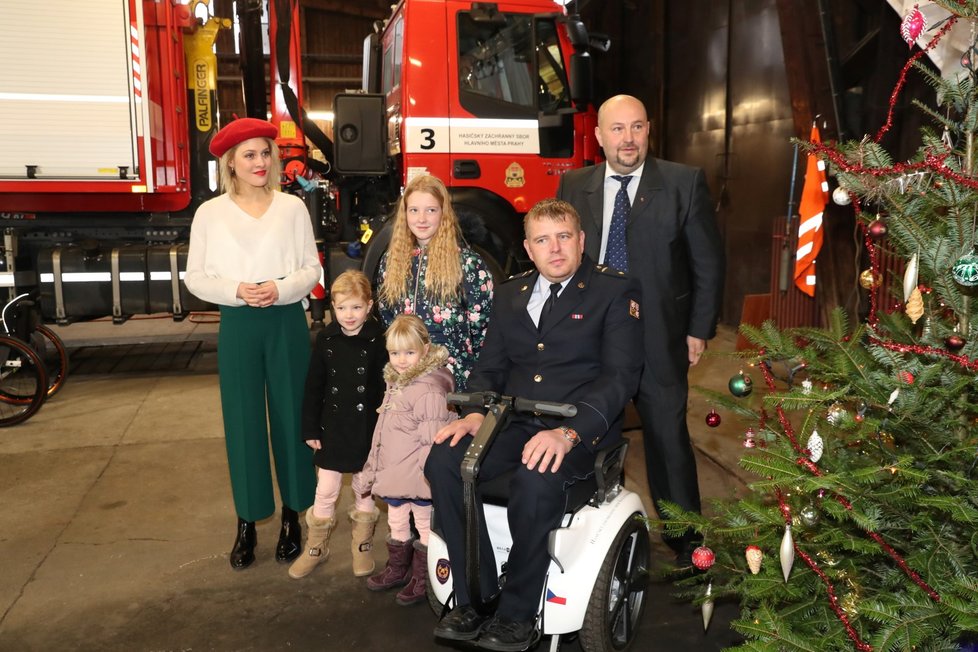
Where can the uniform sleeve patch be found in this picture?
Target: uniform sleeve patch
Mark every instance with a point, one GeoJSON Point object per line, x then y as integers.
{"type": "Point", "coordinates": [633, 308]}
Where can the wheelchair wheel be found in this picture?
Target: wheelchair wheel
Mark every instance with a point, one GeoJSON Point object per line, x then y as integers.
{"type": "Point", "coordinates": [618, 599]}
{"type": "Point", "coordinates": [51, 350]}
{"type": "Point", "coordinates": [23, 382]}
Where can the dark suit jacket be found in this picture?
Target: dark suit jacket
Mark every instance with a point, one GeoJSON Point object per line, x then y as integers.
{"type": "Point", "coordinates": [674, 250]}
{"type": "Point", "coordinates": [589, 352]}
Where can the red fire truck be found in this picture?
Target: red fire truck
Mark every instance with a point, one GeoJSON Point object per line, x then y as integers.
{"type": "Point", "coordinates": [105, 133]}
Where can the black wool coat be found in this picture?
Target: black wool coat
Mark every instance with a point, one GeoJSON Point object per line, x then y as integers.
{"type": "Point", "coordinates": [344, 388]}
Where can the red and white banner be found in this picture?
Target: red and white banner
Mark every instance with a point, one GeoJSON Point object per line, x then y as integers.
{"type": "Point", "coordinates": [814, 197]}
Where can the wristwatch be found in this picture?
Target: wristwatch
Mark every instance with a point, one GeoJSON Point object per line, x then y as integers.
{"type": "Point", "coordinates": [570, 435]}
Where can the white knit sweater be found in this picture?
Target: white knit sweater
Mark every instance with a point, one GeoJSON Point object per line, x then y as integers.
{"type": "Point", "coordinates": [229, 247]}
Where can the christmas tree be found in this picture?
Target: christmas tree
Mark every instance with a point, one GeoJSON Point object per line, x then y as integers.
{"type": "Point", "coordinates": [861, 531]}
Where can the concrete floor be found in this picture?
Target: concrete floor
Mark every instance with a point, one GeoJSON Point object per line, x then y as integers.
{"type": "Point", "coordinates": [116, 519]}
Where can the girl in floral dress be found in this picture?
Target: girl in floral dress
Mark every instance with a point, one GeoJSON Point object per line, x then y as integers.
{"type": "Point", "coordinates": [428, 273]}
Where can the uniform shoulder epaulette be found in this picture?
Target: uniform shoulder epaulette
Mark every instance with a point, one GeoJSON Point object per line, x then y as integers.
{"type": "Point", "coordinates": [520, 275]}
{"type": "Point", "coordinates": [609, 271]}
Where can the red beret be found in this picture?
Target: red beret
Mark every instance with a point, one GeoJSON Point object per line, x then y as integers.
{"type": "Point", "coordinates": [239, 131]}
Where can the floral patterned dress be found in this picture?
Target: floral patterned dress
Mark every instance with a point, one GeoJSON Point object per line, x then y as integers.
{"type": "Point", "coordinates": [460, 324]}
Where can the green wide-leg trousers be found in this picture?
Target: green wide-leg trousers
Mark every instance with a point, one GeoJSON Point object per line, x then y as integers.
{"type": "Point", "coordinates": [262, 359]}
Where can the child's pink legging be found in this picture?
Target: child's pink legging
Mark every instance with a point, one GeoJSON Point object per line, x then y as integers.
{"type": "Point", "coordinates": [399, 519]}
{"type": "Point", "coordinates": [328, 491]}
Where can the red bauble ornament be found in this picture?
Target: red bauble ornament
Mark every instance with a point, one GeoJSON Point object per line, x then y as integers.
{"type": "Point", "coordinates": [877, 229]}
{"type": "Point", "coordinates": [912, 25]}
{"type": "Point", "coordinates": [954, 342]}
{"type": "Point", "coordinates": [703, 558]}
{"type": "Point", "coordinates": [713, 419]}
{"type": "Point", "coordinates": [906, 377]}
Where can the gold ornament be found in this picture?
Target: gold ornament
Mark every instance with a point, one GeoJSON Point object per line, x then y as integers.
{"type": "Point", "coordinates": [868, 280]}
{"type": "Point", "coordinates": [754, 557]}
{"type": "Point", "coordinates": [915, 306]}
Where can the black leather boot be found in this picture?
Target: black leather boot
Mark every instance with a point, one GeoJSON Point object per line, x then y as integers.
{"type": "Point", "coordinates": [290, 538]}
{"type": "Point", "coordinates": [243, 553]}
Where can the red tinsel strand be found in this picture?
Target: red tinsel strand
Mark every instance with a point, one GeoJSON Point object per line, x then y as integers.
{"type": "Point", "coordinates": [874, 266]}
{"type": "Point", "coordinates": [861, 645]}
{"type": "Point", "coordinates": [963, 360]}
{"type": "Point", "coordinates": [912, 574]}
{"type": "Point", "coordinates": [833, 600]}
{"type": "Point", "coordinates": [932, 162]}
{"type": "Point", "coordinates": [782, 417]}
{"type": "Point", "coordinates": [903, 76]}
{"type": "Point", "coordinates": [784, 507]}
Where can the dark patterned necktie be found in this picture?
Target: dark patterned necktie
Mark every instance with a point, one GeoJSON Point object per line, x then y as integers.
{"type": "Point", "coordinates": [548, 306]}
{"type": "Point", "coordinates": [616, 253]}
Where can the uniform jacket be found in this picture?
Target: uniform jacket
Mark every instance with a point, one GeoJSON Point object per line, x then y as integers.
{"type": "Point", "coordinates": [344, 387]}
{"type": "Point", "coordinates": [589, 352]}
{"type": "Point", "coordinates": [413, 410]}
{"type": "Point", "coordinates": [674, 250]}
{"type": "Point", "coordinates": [458, 325]}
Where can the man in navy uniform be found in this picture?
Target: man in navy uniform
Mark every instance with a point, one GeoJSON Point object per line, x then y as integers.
{"type": "Point", "coordinates": [568, 332]}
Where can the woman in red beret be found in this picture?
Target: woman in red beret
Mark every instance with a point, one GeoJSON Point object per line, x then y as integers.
{"type": "Point", "coordinates": [252, 252]}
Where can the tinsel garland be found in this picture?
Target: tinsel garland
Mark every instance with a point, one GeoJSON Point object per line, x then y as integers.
{"type": "Point", "coordinates": [812, 467]}
{"type": "Point", "coordinates": [903, 75]}
{"type": "Point", "coordinates": [861, 645]}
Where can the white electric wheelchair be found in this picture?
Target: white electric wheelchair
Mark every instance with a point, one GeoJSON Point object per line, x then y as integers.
{"type": "Point", "coordinates": [598, 576]}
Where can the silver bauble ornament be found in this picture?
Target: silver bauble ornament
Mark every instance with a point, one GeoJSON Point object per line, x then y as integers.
{"type": "Point", "coordinates": [841, 196]}
{"type": "Point", "coordinates": [808, 515]}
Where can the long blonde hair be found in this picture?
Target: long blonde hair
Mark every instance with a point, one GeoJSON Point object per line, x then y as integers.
{"type": "Point", "coordinates": [444, 272]}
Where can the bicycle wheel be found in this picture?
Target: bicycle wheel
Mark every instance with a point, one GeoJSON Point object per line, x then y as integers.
{"type": "Point", "coordinates": [23, 382]}
{"type": "Point", "coordinates": [51, 350]}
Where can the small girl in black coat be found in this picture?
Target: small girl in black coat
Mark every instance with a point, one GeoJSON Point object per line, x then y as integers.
{"type": "Point", "coordinates": [344, 388]}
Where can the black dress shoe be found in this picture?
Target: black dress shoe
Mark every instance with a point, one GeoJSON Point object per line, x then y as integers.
{"type": "Point", "coordinates": [243, 552]}
{"type": "Point", "coordinates": [460, 624]}
{"type": "Point", "coordinates": [290, 537]}
{"type": "Point", "coordinates": [505, 635]}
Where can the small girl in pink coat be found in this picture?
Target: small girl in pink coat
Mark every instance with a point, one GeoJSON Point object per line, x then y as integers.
{"type": "Point", "coordinates": [413, 410]}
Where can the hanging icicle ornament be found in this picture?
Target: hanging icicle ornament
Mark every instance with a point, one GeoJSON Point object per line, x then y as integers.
{"type": "Point", "coordinates": [750, 438]}
{"type": "Point", "coordinates": [740, 385]}
{"type": "Point", "coordinates": [915, 306]}
{"type": "Point", "coordinates": [703, 558]}
{"type": "Point", "coordinates": [910, 277]}
{"type": "Point", "coordinates": [893, 397]}
{"type": "Point", "coordinates": [754, 557]}
{"type": "Point", "coordinates": [815, 446]}
{"type": "Point", "coordinates": [713, 419]}
{"type": "Point", "coordinates": [912, 25]}
{"type": "Point", "coordinates": [707, 607]}
{"type": "Point", "coordinates": [965, 271]}
{"type": "Point", "coordinates": [787, 552]}
{"type": "Point", "coordinates": [841, 196]}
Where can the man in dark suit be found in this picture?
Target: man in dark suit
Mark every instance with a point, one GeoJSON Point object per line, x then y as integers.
{"type": "Point", "coordinates": [666, 237]}
{"type": "Point", "coordinates": [569, 332]}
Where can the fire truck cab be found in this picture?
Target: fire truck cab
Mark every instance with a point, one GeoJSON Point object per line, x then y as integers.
{"type": "Point", "coordinates": [491, 97]}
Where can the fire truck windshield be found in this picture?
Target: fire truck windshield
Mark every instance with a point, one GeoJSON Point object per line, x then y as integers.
{"type": "Point", "coordinates": [510, 67]}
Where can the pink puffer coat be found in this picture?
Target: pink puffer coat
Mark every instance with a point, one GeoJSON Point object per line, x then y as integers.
{"type": "Point", "coordinates": [414, 409]}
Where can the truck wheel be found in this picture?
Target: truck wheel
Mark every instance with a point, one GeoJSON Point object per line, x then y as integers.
{"type": "Point", "coordinates": [618, 599]}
